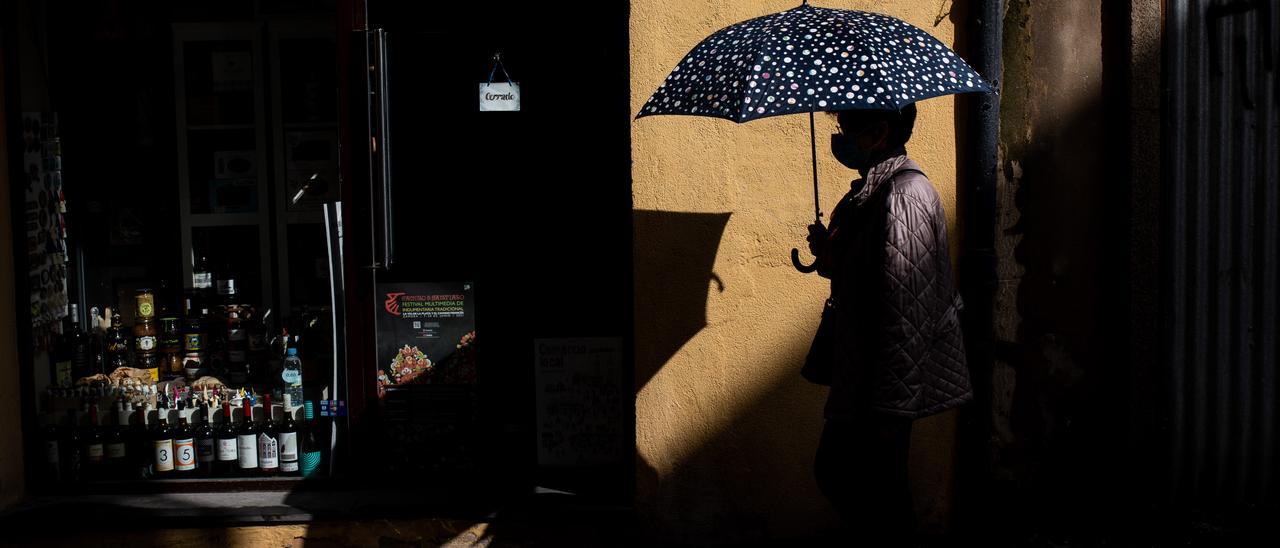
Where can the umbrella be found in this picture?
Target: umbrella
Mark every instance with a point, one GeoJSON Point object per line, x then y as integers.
{"type": "Point", "coordinates": [810, 59]}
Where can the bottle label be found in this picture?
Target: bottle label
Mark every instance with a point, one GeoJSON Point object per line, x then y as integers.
{"type": "Point", "coordinates": [227, 450]}
{"type": "Point", "coordinates": [227, 287]}
{"type": "Point", "coordinates": [116, 450]}
{"type": "Point", "coordinates": [62, 373]}
{"type": "Point", "coordinates": [193, 342]}
{"type": "Point", "coordinates": [146, 343]}
{"type": "Point", "coordinates": [288, 466]}
{"type": "Point", "coordinates": [288, 448]}
{"type": "Point", "coordinates": [185, 451]}
{"type": "Point", "coordinates": [204, 450]}
{"type": "Point", "coordinates": [145, 307]}
{"type": "Point", "coordinates": [202, 280]}
{"type": "Point", "coordinates": [310, 463]}
{"type": "Point", "coordinates": [247, 447]}
{"type": "Point", "coordinates": [291, 377]}
{"type": "Point", "coordinates": [94, 452]}
{"type": "Point", "coordinates": [164, 455]}
{"type": "Point", "coordinates": [267, 451]}
{"type": "Point", "coordinates": [51, 451]}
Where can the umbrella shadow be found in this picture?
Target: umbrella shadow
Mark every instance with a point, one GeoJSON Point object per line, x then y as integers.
{"type": "Point", "coordinates": [677, 252]}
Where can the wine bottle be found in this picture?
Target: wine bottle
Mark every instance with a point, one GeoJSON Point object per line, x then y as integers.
{"type": "Point", "coordinates": [140, 447]}
{"type": "Point", "coordinates": [268, 442]}
{"type": "Point", "coordinates": [72, 463]}
{"type": "Point", "coordinates": [287, 435]}
{"type": "Point", "coordinates": [52, 457]}
{"type": "Point", "coordinates": [227, 454]}
{"type": "Point", "coordinates": [247, 443]}
{"type": "Point", "coordinates": [117, 448]}
{"type": "Point", "coordinates": [205, 444]}
{"type": "Point", "coordinates": [184, 443]}
{"type": "Point", "coordinates": [311, 448]}
{"type": "Point", "coordinates": [91, 445]}
{"type": "Point", "coordinates": [162, 444]}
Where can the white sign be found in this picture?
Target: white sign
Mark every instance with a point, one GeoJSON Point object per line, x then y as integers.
{"type": "Point", "coordinates": [580, 401]}
{"type": "Point", "coordinates": [500, 97]}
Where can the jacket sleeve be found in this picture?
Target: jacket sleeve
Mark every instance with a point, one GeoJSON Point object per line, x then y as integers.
{"type": "Point", "coordinates": [904, 283]}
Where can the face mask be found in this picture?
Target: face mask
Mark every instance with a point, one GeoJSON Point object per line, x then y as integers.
{"type": "Point", "coordinates": [846, 151]}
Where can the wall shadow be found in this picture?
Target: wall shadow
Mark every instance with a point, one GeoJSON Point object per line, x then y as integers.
{"type": "Point", "coordinates": [676, 252]}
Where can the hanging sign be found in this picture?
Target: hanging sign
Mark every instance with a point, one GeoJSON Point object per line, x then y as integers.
{"type": "Point", "coordinates": [499, 97]}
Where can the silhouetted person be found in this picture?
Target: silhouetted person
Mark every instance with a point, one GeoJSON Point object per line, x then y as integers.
{"type": "Point", "coordinates": [890, 341]}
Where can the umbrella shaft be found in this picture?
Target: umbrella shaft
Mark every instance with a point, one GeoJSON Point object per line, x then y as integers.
{"type": "Point", "coordinates": [813, 149]}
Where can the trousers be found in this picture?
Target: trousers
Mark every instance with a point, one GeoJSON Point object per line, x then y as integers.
{"type": "Point", "coordinates": [861, 468]}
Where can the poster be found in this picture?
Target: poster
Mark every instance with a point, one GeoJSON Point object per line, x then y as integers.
{"type": "Point", "coordinates": [426, 377]}
{"type": "Point", "coordinates": [580, 401]}
{"type": "Point", "coordinates": [46, 228]}
{"type": "Point", "coordinates": [426, 334]}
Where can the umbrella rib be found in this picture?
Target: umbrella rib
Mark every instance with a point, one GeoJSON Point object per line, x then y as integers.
{"type": "Point", "coordinates": [744, 109]}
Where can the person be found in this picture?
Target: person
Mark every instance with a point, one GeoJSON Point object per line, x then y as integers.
{"type": "Point", "coordinates": [890, 336]}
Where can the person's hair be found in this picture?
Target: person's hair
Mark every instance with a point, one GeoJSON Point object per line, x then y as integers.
{"type": "Point", "coordinates": [901, 122]}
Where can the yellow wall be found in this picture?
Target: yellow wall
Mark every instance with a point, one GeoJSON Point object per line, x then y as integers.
{"type": "Point", "coordinates": [725, 427]}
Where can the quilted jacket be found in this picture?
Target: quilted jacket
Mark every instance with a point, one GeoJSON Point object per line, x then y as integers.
{"type": "Point", "coordinates": [898, 345]}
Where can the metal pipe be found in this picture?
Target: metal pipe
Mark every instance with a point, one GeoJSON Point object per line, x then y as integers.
{"type": "Point", "coordinates": [978, 260]}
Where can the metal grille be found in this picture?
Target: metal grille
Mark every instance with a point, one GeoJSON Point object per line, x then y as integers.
{"type": "Point", "coordinates": [1220, 237]}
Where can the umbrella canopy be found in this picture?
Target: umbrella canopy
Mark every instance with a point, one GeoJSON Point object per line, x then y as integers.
{"type": "Point", "coordinates": [811, 59]}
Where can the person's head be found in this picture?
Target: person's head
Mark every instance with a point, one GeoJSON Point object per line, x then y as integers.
{"type": "Point", "coordinates": [865, 134]}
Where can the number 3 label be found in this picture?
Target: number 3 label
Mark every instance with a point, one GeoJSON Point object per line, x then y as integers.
{"type": "Point", "coordinates": [164, 455]}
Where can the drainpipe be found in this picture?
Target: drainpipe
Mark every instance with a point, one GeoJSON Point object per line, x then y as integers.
{"type": "Point", "coordinates": [978, 281]}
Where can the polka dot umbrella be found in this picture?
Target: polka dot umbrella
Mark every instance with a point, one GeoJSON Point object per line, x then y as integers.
{"type": "Point", "coordinates": [810, 59]}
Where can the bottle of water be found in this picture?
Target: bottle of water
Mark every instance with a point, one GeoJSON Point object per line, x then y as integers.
{"type": "Point", "coordinates": [291, 374]}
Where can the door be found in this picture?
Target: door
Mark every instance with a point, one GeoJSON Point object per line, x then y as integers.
{"type": "Point", "coordinates": [531, 207]}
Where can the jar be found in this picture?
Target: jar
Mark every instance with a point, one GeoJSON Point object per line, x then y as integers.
{"type": "Point", "coordinates": [146, 304]}
{"type": "Point", "coordinates": [170, 335]}
{"type": "Point", "coordinates": [193, 365]}
{"type": "Point", "coordinates": [144, 337]}
{"type": "Point", "coordinates": [171, 363]}
{"type": "Point", "coordinates": [150, 363]}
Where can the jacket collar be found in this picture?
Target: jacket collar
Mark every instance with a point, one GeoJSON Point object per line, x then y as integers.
{"type": "Point", "coordinates": [890, 162]}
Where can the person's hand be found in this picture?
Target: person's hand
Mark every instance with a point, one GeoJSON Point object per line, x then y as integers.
{"type": "Point", "coordinates": [818, 238]}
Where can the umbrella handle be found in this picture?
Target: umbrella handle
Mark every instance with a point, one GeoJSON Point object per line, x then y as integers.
{"type": "Point", "coordinates": [803, 268]}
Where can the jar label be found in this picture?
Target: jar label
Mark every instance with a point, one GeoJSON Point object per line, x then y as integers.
{"type": "Point", "coordinates": [146, 343]}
